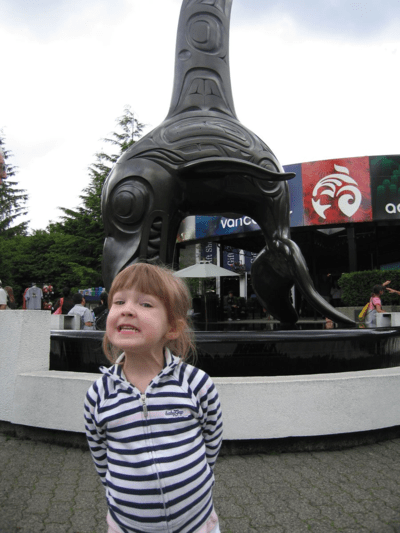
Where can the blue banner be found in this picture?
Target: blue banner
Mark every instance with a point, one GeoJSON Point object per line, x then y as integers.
{"type": "Point", "coordinates": [230, 258]}
{"type": "Point", "coordinates": [296, 196]}
{"type": "Point", "coordinates": [212, 226]}
{"type": "Point", "coordinates": [209, 252]}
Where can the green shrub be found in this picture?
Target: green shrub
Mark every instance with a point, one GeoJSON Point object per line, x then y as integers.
{"type": "Point", "coordinates": [357, 286]}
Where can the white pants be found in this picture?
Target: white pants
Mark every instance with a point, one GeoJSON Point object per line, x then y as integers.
{"type": "Point", "coordinates": [370, 319]}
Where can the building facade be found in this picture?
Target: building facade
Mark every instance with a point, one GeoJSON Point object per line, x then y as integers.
{"type": "Point", "coordinates": [344, 216]}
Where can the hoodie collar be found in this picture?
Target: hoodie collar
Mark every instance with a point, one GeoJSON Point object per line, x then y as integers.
{"type": "Point", "coordinates": [115, 371]}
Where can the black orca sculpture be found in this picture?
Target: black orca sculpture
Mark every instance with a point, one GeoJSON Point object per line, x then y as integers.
{"type": "Point", "coordinates": [202, 160]}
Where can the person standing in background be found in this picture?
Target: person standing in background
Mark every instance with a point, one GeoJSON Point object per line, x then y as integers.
{"type": "Point", "coordinates": [3, 298]}
{"type": "Point", "coordinates": [375, 305]}
{"type": "Point", "coordinates": [103, 305]}
{"type": "Point", "coordinates": [336, 294]}
{"type": "Point", "coordinates": [231, 306]}
{"type": "Point", "coordinates": [80, 309]}
{"type": "Point", "coordinates": [11, 303]}
{"type": "Point", "coordinates": [66, 302]}
{"type": "Point", "coordinates": [101, 312]}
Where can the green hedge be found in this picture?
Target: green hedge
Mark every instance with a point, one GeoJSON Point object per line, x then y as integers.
{"type": "Point", "coordinates": [357, 286]}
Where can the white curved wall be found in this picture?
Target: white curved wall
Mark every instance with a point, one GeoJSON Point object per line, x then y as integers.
{"type": "Point", "coordinates": [254, 408]}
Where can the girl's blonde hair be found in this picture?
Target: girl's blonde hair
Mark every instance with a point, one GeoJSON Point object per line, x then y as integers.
{"type": "Point", "coordinates": [157, 281]}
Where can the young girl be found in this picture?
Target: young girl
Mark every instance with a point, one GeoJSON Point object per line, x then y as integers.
{"type": "Point", "coordinates": [375, 305]}
{"type": "Point", "coordinates": [153, 422]}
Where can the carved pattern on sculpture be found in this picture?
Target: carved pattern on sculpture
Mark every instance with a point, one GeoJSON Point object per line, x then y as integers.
{"type": "Point", "coordinates": [202, 160]}
{"type": "Point", "coordinates": [223, 6]}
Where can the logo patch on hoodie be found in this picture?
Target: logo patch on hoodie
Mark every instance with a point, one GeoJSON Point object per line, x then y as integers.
{"type": "Point", "coordinates": [174, 413]}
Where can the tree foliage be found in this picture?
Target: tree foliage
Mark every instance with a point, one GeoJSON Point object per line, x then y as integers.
{"type": "Point", "coordinates": [12, 200]}
{"type": "Point", "coordinates": [42, 258]}
{"type": "Point", "coordinates": [68, 252]}
{"type": "Point", "coordinates": [85, 222]}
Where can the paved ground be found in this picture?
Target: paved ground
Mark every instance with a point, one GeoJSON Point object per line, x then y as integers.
{"type": "Point", "coordinates": [54, 489]}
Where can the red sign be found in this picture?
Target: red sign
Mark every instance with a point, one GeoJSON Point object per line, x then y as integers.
{"type": "Point", "coordinates": [337, 191]}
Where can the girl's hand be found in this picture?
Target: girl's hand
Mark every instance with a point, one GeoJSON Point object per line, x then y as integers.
{"type": "Point", "coordinates": [386, 283]}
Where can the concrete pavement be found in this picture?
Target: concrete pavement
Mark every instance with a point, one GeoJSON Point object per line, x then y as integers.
{"type": "Point", "coordinates": [54, 489]}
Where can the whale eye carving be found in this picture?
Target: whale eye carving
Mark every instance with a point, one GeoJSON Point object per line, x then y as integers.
{"type": "Point", "coordinates": [128, 202]}
{"type": "Point", "coordinates": [205, 33]}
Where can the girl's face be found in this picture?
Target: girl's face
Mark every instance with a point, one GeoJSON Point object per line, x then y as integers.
{"type": "Point", "coordinates": [137, 323]}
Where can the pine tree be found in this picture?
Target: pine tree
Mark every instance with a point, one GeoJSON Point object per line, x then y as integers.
{"type": "Point", "coordinates": [85, 222]}
{"type": "Point", "coordinates": [12, 200]}
{"type": "Point", "coordinates": [69, 252]}
{"type": "Point", "coordinates": [130, 131]}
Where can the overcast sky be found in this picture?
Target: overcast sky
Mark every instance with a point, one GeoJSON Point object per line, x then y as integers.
{"type": "Point", "coordinates": [315, 79]}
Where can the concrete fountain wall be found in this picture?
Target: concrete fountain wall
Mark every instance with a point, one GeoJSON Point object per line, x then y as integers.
{"type": "Point", "coordinates": [254, 407]}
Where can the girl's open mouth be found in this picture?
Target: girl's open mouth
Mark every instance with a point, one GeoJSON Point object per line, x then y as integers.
{"type": "Point", "coordinates": [127, 328]}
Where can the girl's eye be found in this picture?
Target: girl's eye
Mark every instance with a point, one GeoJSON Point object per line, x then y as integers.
{"type": "Point", "coordinates": [146, 304]}
{"type": "Point", "coordinates": [119, 302]}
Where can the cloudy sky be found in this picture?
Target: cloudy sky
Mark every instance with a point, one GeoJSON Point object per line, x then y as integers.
{"type": "Point", "coordinates": [315, 79]}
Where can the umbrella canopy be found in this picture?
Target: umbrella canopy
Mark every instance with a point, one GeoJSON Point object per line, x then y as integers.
{"type": "Point", "coordinates": [204, 270]}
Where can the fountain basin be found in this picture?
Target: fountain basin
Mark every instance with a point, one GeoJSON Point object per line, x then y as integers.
{"type": "Point", "coordinates": [258, 410]}
{"type": "Point", "coordinates": [249, 353]}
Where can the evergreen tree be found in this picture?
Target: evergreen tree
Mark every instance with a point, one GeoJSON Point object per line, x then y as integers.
{"type": "Point", "coordinates": [85, 222]}
{"type": "Point", "coordinates": [12, 200]}
{"type": "Point", "coordinates": [69, 252]}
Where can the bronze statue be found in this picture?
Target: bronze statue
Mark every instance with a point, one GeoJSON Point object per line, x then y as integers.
{"type": "Point", "coordinates": [202, 160]}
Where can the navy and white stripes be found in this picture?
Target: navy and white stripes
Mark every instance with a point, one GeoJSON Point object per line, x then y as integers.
{"type": "Point", "coordinates": [155, 452]}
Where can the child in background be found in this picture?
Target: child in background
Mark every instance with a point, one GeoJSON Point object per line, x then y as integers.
{"type": "Point", "coordinates": [375, 305]}
{"type": "Point", "coordinates": [153, 422]}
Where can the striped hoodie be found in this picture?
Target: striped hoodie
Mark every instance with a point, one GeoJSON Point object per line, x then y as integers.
{"type": "Point", "coordinates": [155, 452]}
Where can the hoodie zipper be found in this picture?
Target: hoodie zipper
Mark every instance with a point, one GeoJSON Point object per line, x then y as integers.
{"type": "Point", "coordinates": [145, 414]}
{"type": "Point", "coordinates": [155, 462]}
{"type": "Point", "coordinates": [143, 398]}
